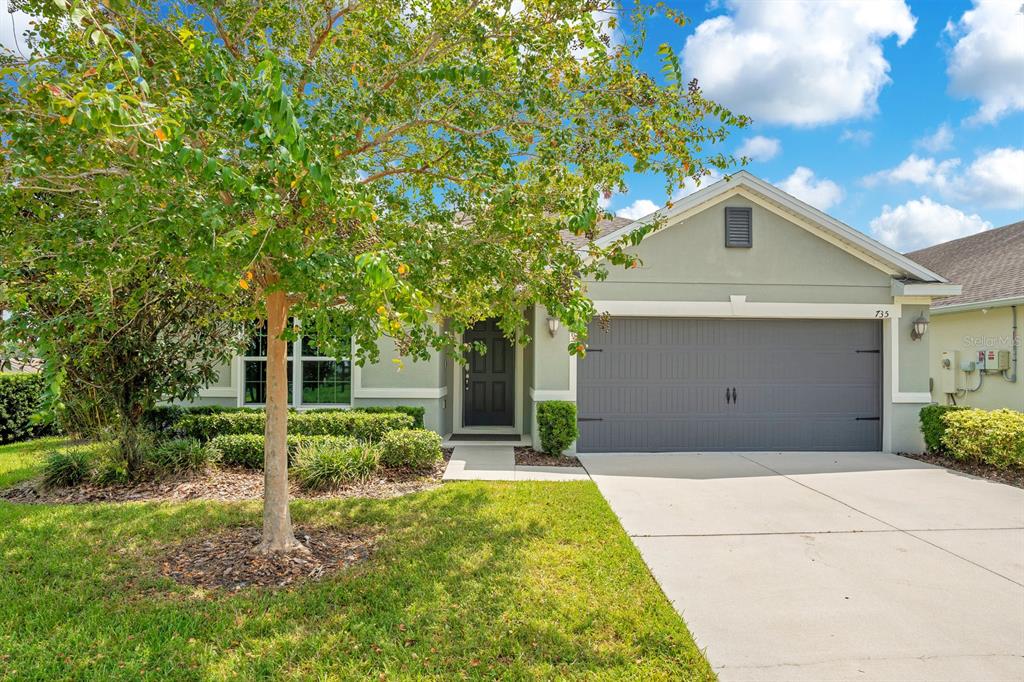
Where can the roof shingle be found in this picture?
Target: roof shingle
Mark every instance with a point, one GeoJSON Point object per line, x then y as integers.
{"type": "Point", "coordinates": [989, 265]}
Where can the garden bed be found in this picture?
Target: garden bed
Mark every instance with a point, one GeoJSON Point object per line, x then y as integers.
{"type": "Point", "coordinates": [228, 560]}
{"type": "Point", "coordinates": [527, 456]}
{"type": "Point", "coordinates": [1012, 476]}
{"type": "Point", "coordinates": [223, 484]}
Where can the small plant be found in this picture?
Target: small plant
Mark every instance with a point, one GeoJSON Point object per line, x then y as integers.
{"type": "Point", "coordinates": [324, 463]}
{"type": "Point", "coordinates": [180, 455]}
{"type": "Point", "coordinates": [556, 421]}
{"type": "Point", "coordinates": [69, 466]}
{"type": "Point", "coordinates": [410, 449]}
{"type": "Point", "coordinates": [241, 450]}
{"type": "Point", "coordinates": [933, 427]}
{"type": "Point", "coordinates": [111, 471]}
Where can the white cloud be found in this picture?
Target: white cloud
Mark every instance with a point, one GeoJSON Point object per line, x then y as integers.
{"type": "Point", "coordinates": [818, 192]}
{"type": "Point", "coordinates": [760, 148]}
{"type": "Point", "coordinates": [939, 141]}
{"type": "Point", "coordinates": [922, 222]}
{"type": "Point", "coordinates": [995, 179]}
{"type": "Point", "coordinates": [915, 170]}
{"type": "Point", "coordinates": [11, 26]}
{"type": "Point", "coordinates": [638, 209]}
{"type": "Point", "coordinates": [604, 200]}
{"type": "Point", "coordinates": [800, 62]}
{"type": "Point", "coordinates": [987, 61]}
{"type": "Point", "coordinates": [861, 137]}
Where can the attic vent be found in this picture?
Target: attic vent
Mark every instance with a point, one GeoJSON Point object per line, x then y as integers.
{"type": "Point", "coordinates": [739, 227]}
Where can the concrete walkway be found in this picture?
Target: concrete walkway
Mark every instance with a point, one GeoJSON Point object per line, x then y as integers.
{"type": "Point", "coordinates": [498, 463]}
{"type": "Point", "coordinates": [829, 566]}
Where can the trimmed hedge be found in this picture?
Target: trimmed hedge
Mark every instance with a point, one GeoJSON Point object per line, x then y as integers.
{"type": "Point", "coordinates": [556, 421]}
{"type": "Point", "coordinates": [410, 449]}
{"type": "Point", "coordinates": [362, 425]}
{"type": "Point", "coordinates": [995, 437]}
{"type": "Point", "coordinates": [415, 412]}
{"type": "Point", "coordinates": [933, 427]}
{"type": "Point", "coordinates": [246, 449]}
{"type": "Point", "coordinates": [21, 396]}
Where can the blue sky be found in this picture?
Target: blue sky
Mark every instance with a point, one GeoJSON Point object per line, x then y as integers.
{"type": "Point", "coordinates": [902, 119]}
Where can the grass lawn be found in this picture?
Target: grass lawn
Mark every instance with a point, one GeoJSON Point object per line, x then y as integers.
{"type": "Point", "coordinates": [479, 580]}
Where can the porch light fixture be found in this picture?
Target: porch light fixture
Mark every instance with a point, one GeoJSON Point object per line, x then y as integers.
{"type": "Point", "coordinates": [553, 325]}
{"type": "Point", "coordinates": [920, 327]}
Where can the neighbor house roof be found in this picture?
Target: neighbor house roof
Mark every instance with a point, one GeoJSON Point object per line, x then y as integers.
{"type": "Point", "coordinates": [989, 265]}
{"type": "Point", "coordinates": [782, 202]}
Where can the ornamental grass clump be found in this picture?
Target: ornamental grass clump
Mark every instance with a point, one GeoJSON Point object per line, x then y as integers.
{"type": "Point", "coordinates": [322, 464]}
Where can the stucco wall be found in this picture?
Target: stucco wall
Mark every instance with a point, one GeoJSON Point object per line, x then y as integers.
{"type": "Point", "coordinates": [968, 332]}
{"type": "Point", "coordinates": [385, 373]}
{"type": "Point", "coordinates": [689, 262]}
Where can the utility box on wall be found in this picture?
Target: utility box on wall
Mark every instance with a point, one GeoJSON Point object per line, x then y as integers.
{"type": "Point", "coordinates": [994, 360]}
{"type": "Point", "coordinates": [949, 365]}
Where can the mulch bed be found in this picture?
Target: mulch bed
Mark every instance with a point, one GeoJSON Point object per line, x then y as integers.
{"type": "Point", "coordinates": [1014, 477]}
{"type": "Point", "coordinates": [228, 560]}
{"type": "Point", "coordinates": [528, 457]}
{"type": "Point", "coordinates": [220, 484]}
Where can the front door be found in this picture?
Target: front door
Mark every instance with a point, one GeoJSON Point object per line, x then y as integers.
{"type": "Point", "coordinates": [489, 385]}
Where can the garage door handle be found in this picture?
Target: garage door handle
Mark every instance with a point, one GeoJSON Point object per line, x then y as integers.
{"type": "Point", "coordinates": [733, 395]}
{"type": "Point", "coordinates": [728, 398]}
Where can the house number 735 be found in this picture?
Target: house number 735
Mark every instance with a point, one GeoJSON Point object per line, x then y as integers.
{"type": "Point", "coordinates": [882, 313]}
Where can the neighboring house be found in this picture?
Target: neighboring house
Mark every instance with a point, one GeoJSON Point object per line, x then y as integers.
{"type": "Point", "coordinates": [755, 322]}
{"type": "Point", "coordinates": [983, 319]}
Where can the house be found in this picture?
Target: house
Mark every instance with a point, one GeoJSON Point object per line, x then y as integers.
{"type": "Point", "coordinates": [975, 338]}
{"type": "Point", "coordinates": [755, 322]}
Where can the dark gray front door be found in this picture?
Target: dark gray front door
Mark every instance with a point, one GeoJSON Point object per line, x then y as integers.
{"type": "Point", "coordinates": [489, 398]}
{"type": "Point", "coordinates": [671, 384]}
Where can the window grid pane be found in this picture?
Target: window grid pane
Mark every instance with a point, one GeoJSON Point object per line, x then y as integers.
{"type": "Point", "coordinates": [256, 382]}
{"type": "Point", "coordinates": [326, 382]}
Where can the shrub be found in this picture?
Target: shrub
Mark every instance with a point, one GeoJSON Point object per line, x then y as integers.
{"type": "Point", "coordinates": [410, 449]}
{"type": "Point", "coordinates": [995, 437]}
{"type": "Point", "coordinates": [556, 421]}
{"type": "Point", "coordinates": [323, 463]}
{"type": "Point", "coordinates": [181, 454]}
{"type": "Point", "coordinates": [164, 418]}
{"type": "Point", "coordinates": [416, 413]}
{"type": "Point", "coordinates": [362, 425]}
{"type": "Point", "coordinates": [21, 395]}
{"type": "Point", "coordinates": [246, 449]}
{"type": "Point", "coordinates": [239, 449]}
{"type": "Point", "coordinates": [932, 425]}
{"type": "Point", "coordinates": [73, 465]}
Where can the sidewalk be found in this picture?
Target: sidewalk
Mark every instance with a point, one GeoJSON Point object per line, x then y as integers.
{"type": "Point", "coordinates": [498, 463]}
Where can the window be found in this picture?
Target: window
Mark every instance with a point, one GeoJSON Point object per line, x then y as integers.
{"type": "Point", "coordinates": [739, 228]}
{"type": "Point", "coordinates": [321, 380]}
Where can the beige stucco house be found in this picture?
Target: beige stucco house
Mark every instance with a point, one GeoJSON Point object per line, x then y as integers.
{"type": "Point", "coordinates": [755, 322]}
{"type": "Point", "coordinates": [975, 338]}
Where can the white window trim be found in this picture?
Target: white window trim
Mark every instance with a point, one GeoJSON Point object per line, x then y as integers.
{"type": "Point", "coordinates": [296, 358]}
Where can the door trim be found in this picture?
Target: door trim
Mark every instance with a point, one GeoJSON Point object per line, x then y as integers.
{"type": "Point", "coordinates": [458, 382]}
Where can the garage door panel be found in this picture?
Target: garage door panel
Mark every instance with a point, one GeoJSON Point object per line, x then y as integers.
{"type": "Point", "coordinates": [659, 384]}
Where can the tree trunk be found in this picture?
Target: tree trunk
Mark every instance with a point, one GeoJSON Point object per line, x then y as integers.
{"type": "Point", "coordinates": [277, 519]}
{"type": "Point", "coordinates": [130, 435]}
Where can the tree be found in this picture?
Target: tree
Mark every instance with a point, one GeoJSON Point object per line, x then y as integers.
{"type": "Point", "coordinates": [115, 339]}
{"type": "Point", "coordinates": [398, 167]}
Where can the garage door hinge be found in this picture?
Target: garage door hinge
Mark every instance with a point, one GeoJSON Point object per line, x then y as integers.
{"type": "Point", "coordinates": [589, 419]}
{"type": "Point", "coordinates": [869, 351]}
{"type": "Point", "coordinates": [868, 419]}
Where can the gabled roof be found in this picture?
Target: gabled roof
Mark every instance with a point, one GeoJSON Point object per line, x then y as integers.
{"type": "Point", "coordinates": [989, 265]}
{"type": "Point", "coordinates": [750, 185]}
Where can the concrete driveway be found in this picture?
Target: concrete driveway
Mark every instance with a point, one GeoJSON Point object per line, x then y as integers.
{"type": "Point", "coordinates": [829, 566]}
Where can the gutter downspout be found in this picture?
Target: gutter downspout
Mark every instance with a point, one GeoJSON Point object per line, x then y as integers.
{"type": "Point", "coordinates": [1015, 345]}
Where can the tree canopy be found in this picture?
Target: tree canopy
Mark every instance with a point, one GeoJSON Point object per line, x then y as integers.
{"type": "Point", "coordinates": [394, 167]}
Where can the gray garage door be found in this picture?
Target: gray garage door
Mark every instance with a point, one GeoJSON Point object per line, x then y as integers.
{"type": "Point", "coordinates": [670, 384]}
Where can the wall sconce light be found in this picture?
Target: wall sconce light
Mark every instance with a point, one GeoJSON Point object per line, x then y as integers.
{"type": "Point", "coordinates": [553, 325]}
{"type": "Point", "coordinates": [920, 327]}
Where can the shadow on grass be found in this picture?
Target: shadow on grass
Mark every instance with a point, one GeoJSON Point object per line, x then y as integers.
{"type": "Point", "coordinates": [485, 580]}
